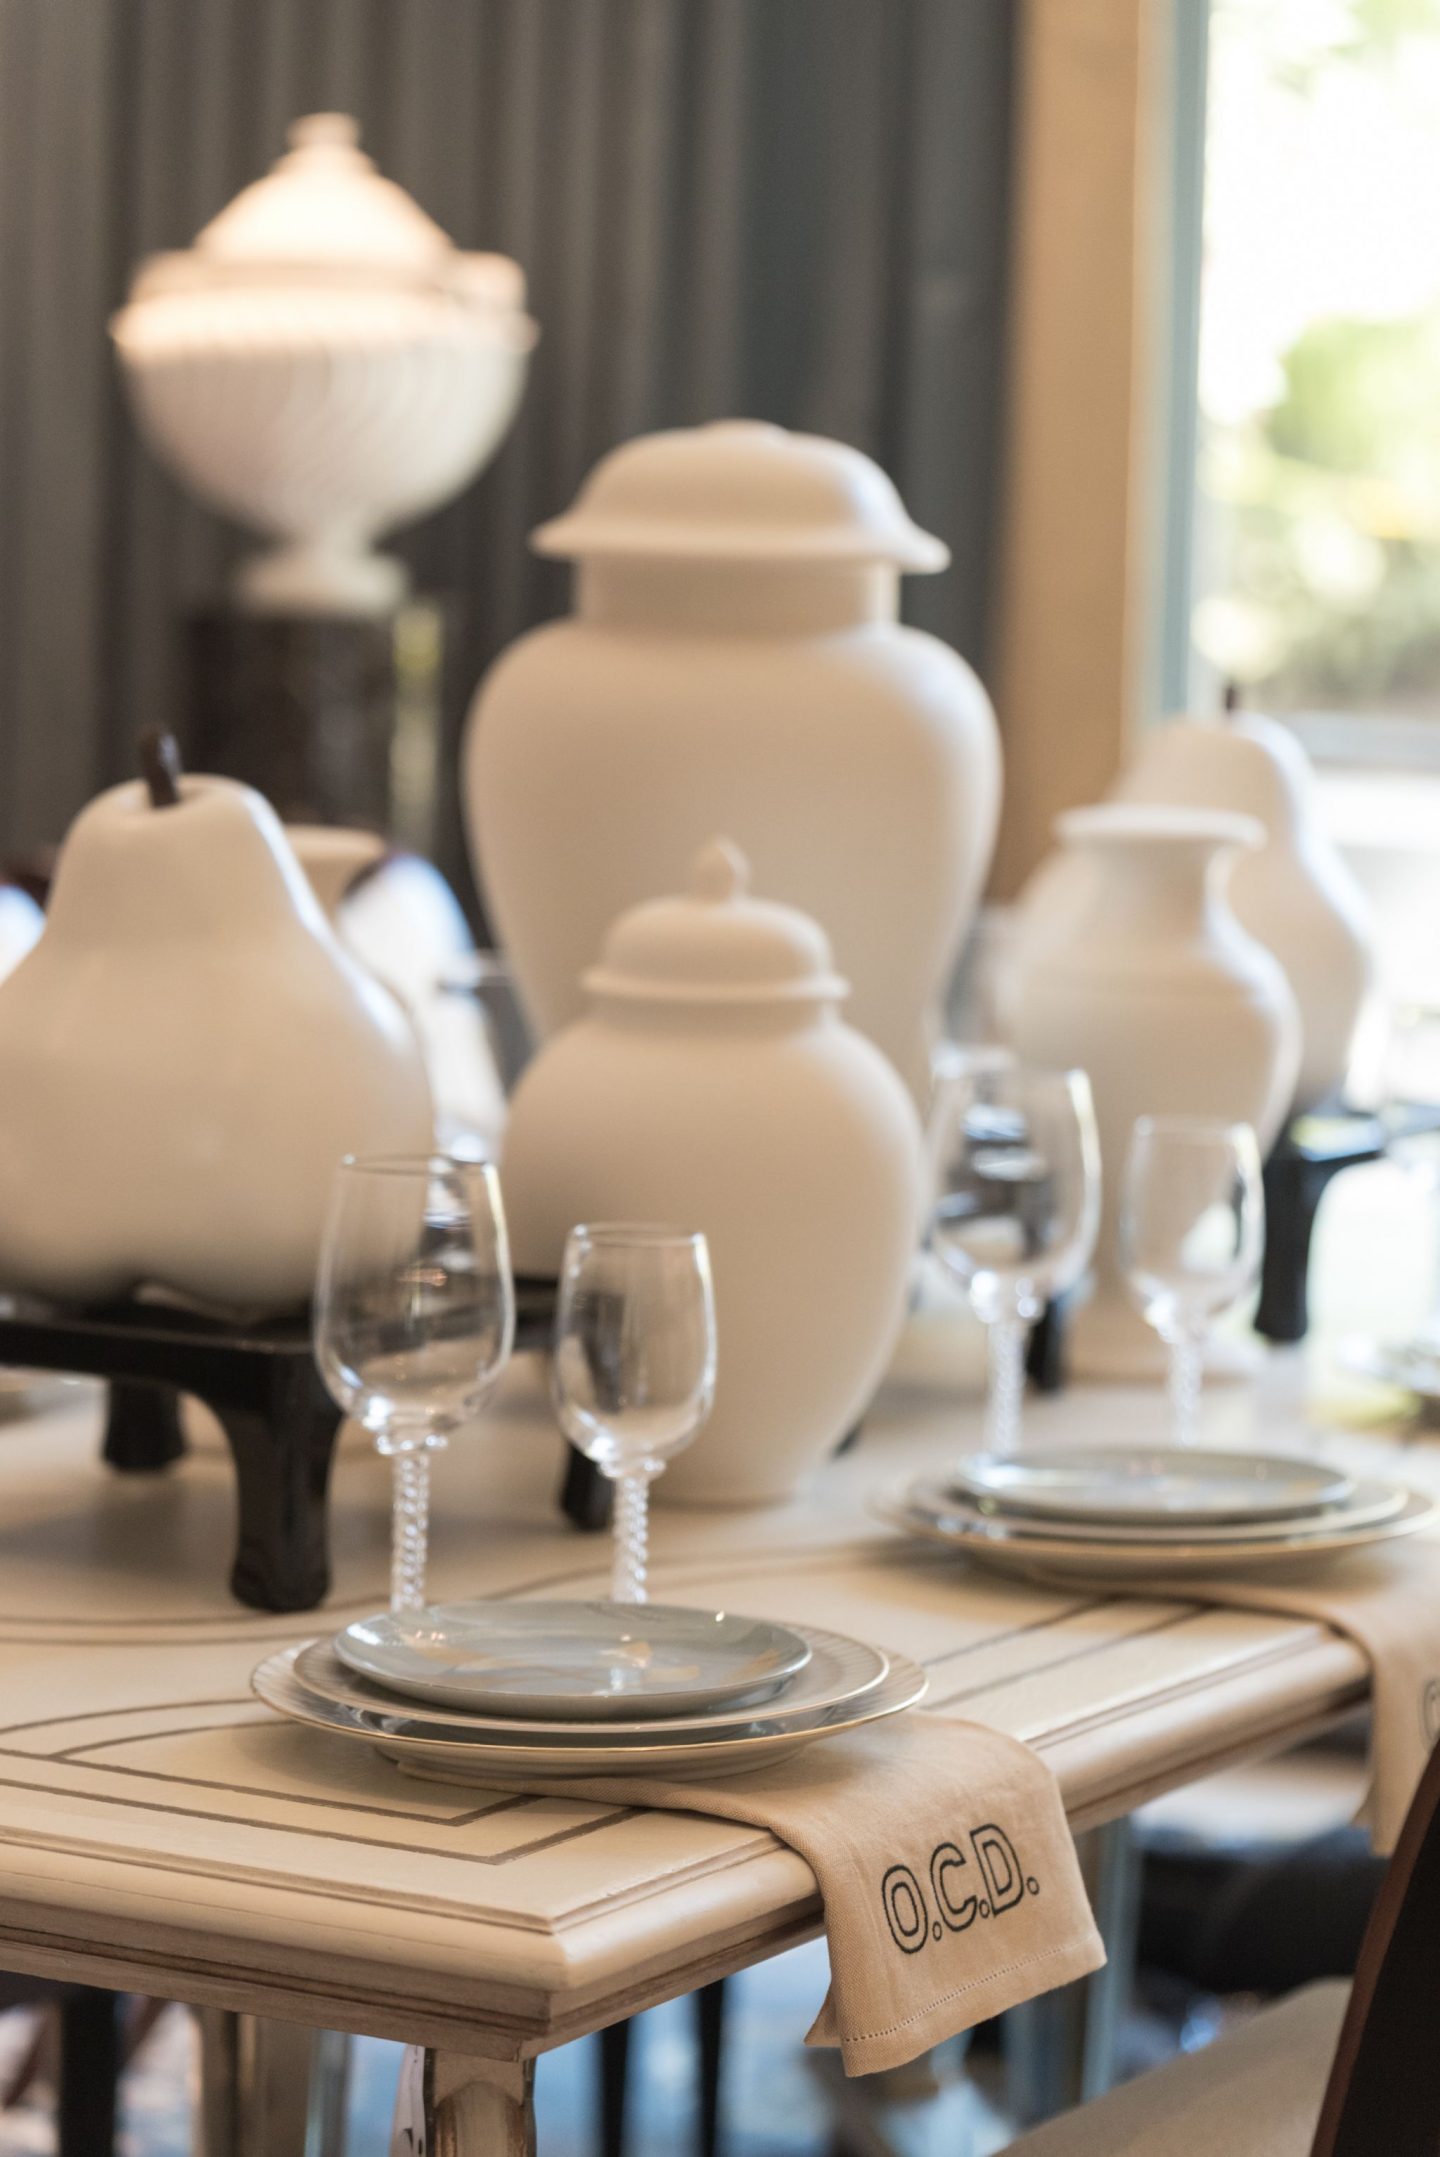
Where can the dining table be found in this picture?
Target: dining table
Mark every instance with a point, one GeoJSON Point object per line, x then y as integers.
{"type": "Point", "coordinates": [164, 1833]}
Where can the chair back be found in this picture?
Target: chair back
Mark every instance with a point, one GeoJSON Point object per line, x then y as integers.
{"type": "Point", "coordinates": [1383, 2096]}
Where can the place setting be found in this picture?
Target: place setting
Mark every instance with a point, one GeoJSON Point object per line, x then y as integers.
{"type": "Point", "coordinates": [1190, 1235]}
{"type": "Point", "coordinates": [414, 1317]}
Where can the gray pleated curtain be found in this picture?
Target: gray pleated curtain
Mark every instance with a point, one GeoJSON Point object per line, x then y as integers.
{"type": "Point", "coordinates": [787, 209]}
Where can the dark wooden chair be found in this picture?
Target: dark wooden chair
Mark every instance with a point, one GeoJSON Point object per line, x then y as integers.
{"type": "Point", "coordinates": [1333, 2071]}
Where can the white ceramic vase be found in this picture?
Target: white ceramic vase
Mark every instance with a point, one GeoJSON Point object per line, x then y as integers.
{"type": "Point", "coordinates": [736, 662]}
{"type": "Point", "coordinates": [185, 1056]}
{"type": "Point", "coordinates": [1294, 893]}
{"type": "Point", "coordinates": [323, 365]}
{"type": "Point", "coordinates": [1147, 981]}
{"type": "Point", "coordinates": [713, 1084]}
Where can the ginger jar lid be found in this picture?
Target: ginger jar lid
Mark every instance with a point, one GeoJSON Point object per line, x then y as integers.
{"type": "Point", "coordinates": [739, 490]}
{"type": "Point", "coordinates": [324, 216]}
{"type": "Point", "coordinates": [717, 945]}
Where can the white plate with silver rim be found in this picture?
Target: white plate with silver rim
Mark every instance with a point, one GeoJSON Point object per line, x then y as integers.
{"type": "Point", "coordinates": [490, 1758]}
{"type": "Point", "coordinates": [839, 1670]}
{"type": "Point", "coordinates": [1152, 1486]}
{"type": "Point", "coordinates": [576, 1661]}
{"type": "Point", "coordinates": [1412, 1366]}
{"type": "Point", "coordinates": [1369, 1504]}
{"type": "Point", "coordinates": [1085, 1560]}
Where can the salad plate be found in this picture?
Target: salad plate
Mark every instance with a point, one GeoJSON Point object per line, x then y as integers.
{"type": "Point", "coordinates": [1155, 1486]}
{"type": "Point", "coordinates": [571, 1661]}
{"type": "Point", "coordinates": [839, 1670]}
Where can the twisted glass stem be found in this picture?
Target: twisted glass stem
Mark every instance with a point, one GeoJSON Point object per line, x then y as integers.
{"type": "Point", "coordinates": [1187, 1353]}
{"type": "Point", "coordinates": [1005, 1342]}
{"type": "Point", "coordinates": [409, 1529]}
{"type": "Point", "coordinates": [632, 1539]}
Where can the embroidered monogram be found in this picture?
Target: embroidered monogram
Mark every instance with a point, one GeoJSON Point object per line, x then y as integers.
{"type": "Point", "coordinates": [996, 1883]}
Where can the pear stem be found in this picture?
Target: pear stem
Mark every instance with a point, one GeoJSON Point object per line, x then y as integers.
{"type": "Point", "coordinates": [161, 766]}
{"type": "Point", "coordinates": [1231, 698]}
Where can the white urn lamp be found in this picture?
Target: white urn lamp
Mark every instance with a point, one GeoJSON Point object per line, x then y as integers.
{"type": "Point", "coordinates": [736, 662]}
{"type": "Point", "coordinates": [323, 364]}
{"type": "Point", "coordinates": [712, 1084]}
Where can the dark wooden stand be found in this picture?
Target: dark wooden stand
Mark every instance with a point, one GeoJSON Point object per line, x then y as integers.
{"type": "Point", "coordinates": [1306, 1156]}
{"type": "Point", "coordinates": [262, 1385]}
{"type": "Point", "coordinates": [260, 1382]}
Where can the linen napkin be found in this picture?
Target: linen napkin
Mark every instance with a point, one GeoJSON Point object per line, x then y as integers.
{"type": "Point", "coordinates": [1386, 1598]}
{"type": "Point", "coordinates": [945, 1865]}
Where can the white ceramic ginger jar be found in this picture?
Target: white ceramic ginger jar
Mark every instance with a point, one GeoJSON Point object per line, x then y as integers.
{"type": "Point", "coordinates": [323, 364]}
{"type": "Point", "coordinates": [185, 1056]}
{"type": "Point", "coordinates": [736, 662]}
{"type": "Point", "coordinates": [1148, 982]}
{"type": "Point", "coordinates": [1294, 893]}
{"type": "Point", "coordinates": [713, 1084]}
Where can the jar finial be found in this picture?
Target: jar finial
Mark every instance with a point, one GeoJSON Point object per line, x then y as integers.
{"type": "Point", "coordinates": [719, 872]}
{"type": "Point", "coordinates": [324, 131]}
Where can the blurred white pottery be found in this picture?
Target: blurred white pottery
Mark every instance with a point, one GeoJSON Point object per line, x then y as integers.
{"type": "Point", "coordinates": [324, 364]}
{"type": "Point", "coordinates": [1146, 980]}
{"type": "Point", "coordinates": [398, 916]}
{"type": "Point", "coordinates": [184, 1057]}
{"type": "Point", "coordinates": [1295, 893]}
{"type": "Point", "coordinates": [736, 662]}
{"type": "Point", "coordinates": [20, 924]}
{"type": "Point", "coordinates": [714, 1085]}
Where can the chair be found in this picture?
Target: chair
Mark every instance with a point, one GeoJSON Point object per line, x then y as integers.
{"type": "Point", "coordinates": [1333, 2071]}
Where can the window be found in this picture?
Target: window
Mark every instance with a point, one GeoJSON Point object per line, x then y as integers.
{"type": "Point", "coordinates": [1317, 572]}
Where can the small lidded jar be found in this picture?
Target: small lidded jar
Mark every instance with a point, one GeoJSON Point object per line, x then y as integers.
{"type": "Point", "coordinates": [714, 1084]}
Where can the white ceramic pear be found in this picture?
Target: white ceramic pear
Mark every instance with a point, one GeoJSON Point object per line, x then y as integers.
{"type": "Point", "coordinates": [184, 1057]}
{"type": "Point", "coordinates": [396, 914]}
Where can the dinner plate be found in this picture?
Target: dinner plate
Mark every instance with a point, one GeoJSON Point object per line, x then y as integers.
{"type": "Point", "coordinates": [1414, 1366]}
{"type": "Point", "coordinates": [573, 1660]}
{"type": "Point", "coordinates": [1369, 1502]}
{"type": "Point", "coordinates": [1079, 1559]}
{"type": "Point", "coordinates": [839, 1670]}
{"type": "Point", "coordinates": [1147, 1486]}
{"type": "Point", "coordinates": [494, 1759]}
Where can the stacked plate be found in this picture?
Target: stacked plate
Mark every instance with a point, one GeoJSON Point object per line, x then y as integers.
{"type": "Point", "coordinates": [1110, 1513]}
{"type": "Point", "coordinates": [524, 1692]}
{"type": "Point", "coordinates": [1412, 1366]}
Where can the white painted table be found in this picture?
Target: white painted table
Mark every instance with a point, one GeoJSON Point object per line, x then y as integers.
{"type": "Point", "coordinates": [162, 1832]}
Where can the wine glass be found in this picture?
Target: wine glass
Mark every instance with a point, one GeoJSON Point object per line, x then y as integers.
{"type": "Point", "coordinates": [633, 1374]}
{"type": "Point", "coordinates": [1017, 1204]}
{"type": "Point", "coordinates": [414, 1320]}
{"type": "Point", "coordinates": [1410, 1118]}
{"type": "Point", "coordinates": [1192, 1226]}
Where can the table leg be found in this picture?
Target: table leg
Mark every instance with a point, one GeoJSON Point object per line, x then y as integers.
{"type": "Point", "coordinates": [89, 2072]}
{"type": "Point", "coordinates": [1060, 2049]}
{"type": "Point", "coordinates": [450, 2105]}
{"type": "Point", "coordinates": [270, 2089]}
